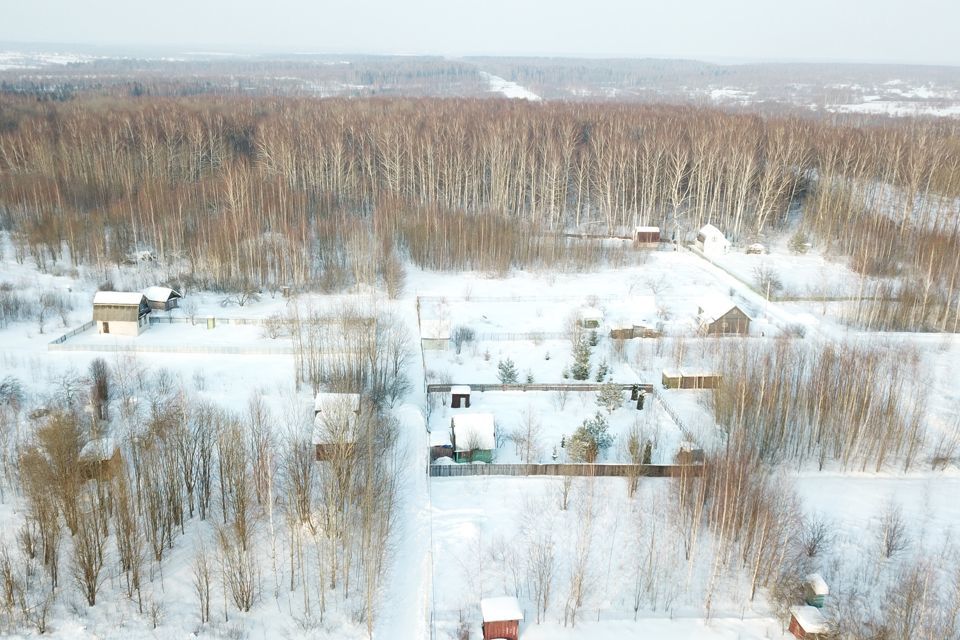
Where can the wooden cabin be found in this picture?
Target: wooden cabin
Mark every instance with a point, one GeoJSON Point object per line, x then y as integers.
{"type": "Point", "coordinates": [815, 590]}
{"type": "Point", "coordinates": [460, 396]}
{"type": "Point", "coordinates": [100, 460]}
{"type": "Point", "coordinates": [335, 418]}
{"type": "Point", "coordinates": [122, 313]}
{"type": "Point", "coordinates": [162, 298]}
{"type": "Point", "coordinates": [719, 316]}
{"type": "Point", "coordinates": [808, 622]}
{"type": "Point", "coordinates": [711, 241]}
{"type": "Point", "coordinates": [685, 379]}
{"type": "Point", "coordinates": [473, 436]}
{"type": "Point", "coordinates": [501, 618]}
{"type": "Point", "coordinates": [646, 236]}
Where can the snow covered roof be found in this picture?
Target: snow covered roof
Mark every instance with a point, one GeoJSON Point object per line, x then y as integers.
{"type": "Point", "coordinates": [99, 449]}
{"type": "Point", "coordinates": [500, 609]}
{"type": "Point", "coordinates": [434, 329]}
{"type": "Point", "coordinates": [646, 229]}
{"type": "Point", "coordinates": [118, 297]}
{"type": "Point", "coordinates": [710, 231]}
{"type": "Point", "coordinates": [326, 401]}
{"type": "Point", "coordinates": [160, 294]}
{"type": "Point", "coordinates": [810, 618]}
{"type": "Point", "coordinates": [714, 307]}
{"type": "Point", "coordinates": [474, 429]}
{"type": "Point", "coordinates": [591, 313]}
{"type": "Point", "coordinates": [633, 311]}
{"type": "Point", "coordinates": [688, 373]}
{"type": "Point", "coordinates": [460, 390]}
{"type": "Point", "coordinates": [818, 584]}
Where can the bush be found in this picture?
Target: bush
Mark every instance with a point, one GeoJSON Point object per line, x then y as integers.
{"type": "Point", "coordinates": [799, 242]}
{"type": "Point", "coordinates": [507, 372]}
{"type": "Point", "coordinates": [590, 440]}
{"type": "Point", "coordinates": [461, 336]}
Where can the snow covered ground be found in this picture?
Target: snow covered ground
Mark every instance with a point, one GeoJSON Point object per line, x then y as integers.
{"type": "Point", "coordinates": [508, 88]}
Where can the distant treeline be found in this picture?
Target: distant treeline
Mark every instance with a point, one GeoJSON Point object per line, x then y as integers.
{"type": "Point", "coordinates": [261, 191]}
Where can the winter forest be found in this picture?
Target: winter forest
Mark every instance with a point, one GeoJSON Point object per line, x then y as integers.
{"type": "Point", "coordinates": [415, 356]}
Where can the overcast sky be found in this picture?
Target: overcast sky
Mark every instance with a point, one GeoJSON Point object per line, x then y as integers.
{"type": "Point", "coordinates": [911, 31]}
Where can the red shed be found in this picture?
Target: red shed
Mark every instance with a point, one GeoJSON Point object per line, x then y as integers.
{"type": "Point", "coordinates": [501, 618]}
{"type": "Point", "coordinates": [646, 235]}
{"type": "Point", "coordinates": [808, 622]}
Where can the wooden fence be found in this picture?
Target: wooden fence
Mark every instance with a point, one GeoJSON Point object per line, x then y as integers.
{"type": "Point", "coordinates": [69, 334]}
{"type": "Point", "coordinates": [566, 469]}
{"type": "Point", "coordinates": [560, 386]}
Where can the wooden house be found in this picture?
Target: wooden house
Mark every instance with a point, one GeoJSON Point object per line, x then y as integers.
{"type": "Point", "coordinates": [435, 334]}
{"type": "Point", "coordinates": [335, 418]}
{"type": "Point", "coordinates": [719, 316]}
{"type": "Point", "coordinates": [122, 313]}
{"type": "Point", "coordinates": [501, 618]}
{"type": "Point", "coordinates": [646, 236]}
{"type": "Point", "coordinates": [711, 241]}
{"type": "Point", "coordinates": [815, 590]}
{"type": "Point", "coordinates": [473, 436]}
{"type": "Point", "coordinates": [635, 317]}
{"type": "Point", "coordinates": [808, 622]}
{"type": "Point", "coordinates": [460, 396]}
{"type": "Point", "coordinates": [100, 460]}
{"type": "Point", "coordinates": [686, 379]}
{"type": "Point", "coordinates": [162, 298]}
{"type": "Point", "coordinates": [590, 318]}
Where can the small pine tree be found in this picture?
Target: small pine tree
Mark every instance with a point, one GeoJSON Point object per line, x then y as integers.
{"type": "Point", "coordinates": [529, 376]}
{"type": "Point", "coordinates": [581, 361]}
{"type": "Point", "coordinates": [590, 439]}
{"type": "Point", "coordinates": [799, 242]}
{"type": "Point", "coordinates": [507, 372]}
{"type": "Point", "coordinates": [594, 338]}
{"type": "Point", "coordinates": [602, 370]}
{"type": "Point", "coordinates": [610, 396]}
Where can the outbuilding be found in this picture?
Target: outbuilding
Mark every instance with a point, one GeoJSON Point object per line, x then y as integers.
{"type": "Point", "coordinates": [634, 317]}
{"type": "Point", "coordinates": [646, 236]}
{"type": "Point", "coordinates": [122, 313]}
{"type": "Point", "coordinates": [711, 241]}
{"type": "Point", "coordinates": [100, 459]}
{"type": "Point", "coordinates": [815, 590]}
{"type": "Point", "coordinates": [335, 418]}
{"type": "Point", "coordinates": [719, 316]}
{"type": "Point", "coordinates": [501, 618]}
{"type": "Point", "coordinates": [473, 436]}
{"type": "Point", "coordinates": [808, 622]}
{"type": "Point", "coordinates": [162, 298]}
{"type": "Point", "coordinates": [687, 379]}
{"type": "Point", "coordinates": [590, 318]}
{"type": "Point", "coordinates": [460, 396]}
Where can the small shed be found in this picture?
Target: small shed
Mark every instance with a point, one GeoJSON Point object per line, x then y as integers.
{"type": "Point", "coordinates": [162, 298]}
{"type": "Point", "coordinates": [690, 453]}
{"type": "Point", "coordinates": [473, 436]}
{"type": "Point", "coordinates": [121, 312]}
{"type": "Point", "coordinates": [815, 590]}
{"type": "Point", "coordinates": [635, 317]}
{"type": "Point", "coordinates": [646, 235]}
{"type": "Point", "coordinates": [334, 423]}
{"type": "Point", "coordinates": [719, 316]}
{"type": "Point", "coordinates": [501, 618]}
{"type": "Point", "coordinates": [687, 379]}
{"type": "Point", "coordinates": [711, 241]}
{"type": "Point", "coordinates": [808, 622]}
{"type": "Point", "coordinates": [100, 459]}
{"type": "Point", "coordinates": [756, 248]}
{"type": "Point", "coordinates": [460, 396]}
{"type": "Point", "coordinates": [590, 318]}
{"type": "Point", "coordinates": [435, 334]}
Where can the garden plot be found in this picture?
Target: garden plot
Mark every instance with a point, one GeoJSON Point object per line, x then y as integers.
{"type": "Point", "coordinates": [184, 337]}
{"type": "Point", "coordinates": [553, 416]}
{"type": "Point", "coordinates": [485, 531]}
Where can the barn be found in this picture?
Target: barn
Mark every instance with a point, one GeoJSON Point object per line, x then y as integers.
{"type": "Point", "coordinates": [334, 423]}
{"type": "Point", "coordinates": [473, 436]}
{"type": "Point", "coordinates": [122, 313]}
{"type": "Point", "coordinates": [460, 396]}
{"type": "Point", "coordinates": [162, 298]}
{"type": "Point", "coordinates": [646, 236]}
{"type": "Point", "coordinates": [807, 622]}
{"type": "Point", "coordinates": [687, 379]}
{"type": "Point", "coordinates": [719, 316]}
{"type": "Point", "coordinates": [501, 618]}
{"type": "Point", "coordinates": [711, 241]}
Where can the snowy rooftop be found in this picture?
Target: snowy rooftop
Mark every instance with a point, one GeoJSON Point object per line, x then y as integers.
{"type": "Point", "coordinates": [118, 297]}
{"type": "Point", "coordinates": [818, 584]}
{"type": "Point", "coordinates": [688, 373]}
{"type": "Point", "coordinates": [499, 609]}
{"type": "Point", "coordinates": [710, 231]}
{"type": "Point", "coordinates": [810, 618]}
{"type": "Point", "coordinates": [460, 390]}
{"type": "Point", "coordinates": [474, 428]}
{"type": "Point", "coordinates": [327, 401]}
{"type": "Point", "coordinates": [160, 294]}
{"type": "Point", "coordinates": [713, 307]}
{"type": "Point", "coordinates": [100, 448]}
{"type": "Point", "coordinates": [646, 229]}
{"type": "Point", "coordinates": [635, 310]}
{"type": "Point", "coordinates": [591, 313]}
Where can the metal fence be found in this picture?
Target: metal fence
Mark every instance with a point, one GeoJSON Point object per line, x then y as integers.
{"type": "Point", "coordinates": [560, 386]}
{"type": "Point", "coordinates": [565, 469]}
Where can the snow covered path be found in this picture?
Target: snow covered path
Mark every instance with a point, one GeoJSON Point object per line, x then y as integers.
{"type": "Point", "coordinates": [508, 88]}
